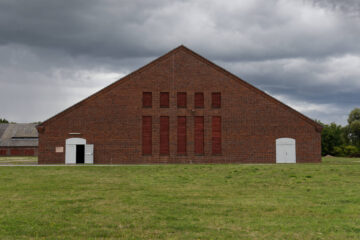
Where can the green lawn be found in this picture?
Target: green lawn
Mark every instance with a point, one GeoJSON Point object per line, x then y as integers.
{"type": "Point", "coordinates": [296, 201]}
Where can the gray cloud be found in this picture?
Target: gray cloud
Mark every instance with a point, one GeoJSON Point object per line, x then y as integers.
{"type": "Point", "coordinates": [349, 7]}
{"type": "Point", "coordinates": [233, 31]}
{"type": "Point", "coordinates": [54, 53]}
{"type": "Point", "coordinates": [331, 83]}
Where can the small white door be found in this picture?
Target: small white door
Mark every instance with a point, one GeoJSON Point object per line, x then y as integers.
{"type": "Point", "coordinates": [285, 150]}
{"type": "Point", "coordinates": [70, 154]}
{"type": "Point", "coordinates": [89, 153]}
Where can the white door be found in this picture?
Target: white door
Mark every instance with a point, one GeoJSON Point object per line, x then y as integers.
{"type": "Point", "coordinates": [70, 154]}
{"type": "Point", "coordinates": [89, 153]}
{"type": "Point", "coordinates": [285, 150]}
{"type": "Point", "coordinates": [70, 149]}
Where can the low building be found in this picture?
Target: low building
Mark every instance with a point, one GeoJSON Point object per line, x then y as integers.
{"type": "Point", "coordinates": [18, 139]}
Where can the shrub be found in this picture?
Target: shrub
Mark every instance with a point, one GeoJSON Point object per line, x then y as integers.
{"type": "Point", "coordinates": [338, 151]}
{"type": "Point", "coordinates": [350, 150]}
{"type": "Point", "coordinates": [346, 151]}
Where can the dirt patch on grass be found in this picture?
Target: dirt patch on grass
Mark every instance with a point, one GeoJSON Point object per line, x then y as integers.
{"type": "Point", "coordinates": [18, 160]}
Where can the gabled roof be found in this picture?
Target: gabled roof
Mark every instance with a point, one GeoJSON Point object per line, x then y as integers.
{"type": "Point", "coordinates": [18, 135]}
{"type": "Point", "coordinates": [200, 58]}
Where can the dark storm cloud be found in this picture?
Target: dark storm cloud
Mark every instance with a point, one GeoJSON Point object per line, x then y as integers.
{"type": "Point", "coordinates": [105, 28]}
{"type": "Point", "coordinates": [260, 30]}
{"type": "Point", "coordinates": [54, 53]}
{"type": "Point", "coordinates": [351, 7]}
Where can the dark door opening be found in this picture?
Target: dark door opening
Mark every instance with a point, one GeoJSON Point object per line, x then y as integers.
{"type": "Point", "coordinates": [80, 154]}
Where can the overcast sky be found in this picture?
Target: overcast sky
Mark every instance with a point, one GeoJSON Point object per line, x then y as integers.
{"type": "Point", "coordinates": [305, 53]}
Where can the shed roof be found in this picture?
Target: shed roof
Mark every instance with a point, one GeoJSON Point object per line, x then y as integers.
{"type": "Point", "coordinates": [3, 127]}
{"type": "Point", "coordinates": [18, 135]}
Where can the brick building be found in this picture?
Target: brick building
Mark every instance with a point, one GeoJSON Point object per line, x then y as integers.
{"type": "Point", "coordinates": [180, 108]}
{"type": "Point", "coordinates": [18, 139]}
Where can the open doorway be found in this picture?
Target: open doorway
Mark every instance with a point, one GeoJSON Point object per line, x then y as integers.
{"type": "Point", "coordinates": [80, 154]}
{"type": "Point", "coordinates": [74, 151]}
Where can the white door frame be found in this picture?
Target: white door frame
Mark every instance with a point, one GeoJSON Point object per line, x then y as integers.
{"type": "Point", "coordinates": [285, 150]}
{"type": "Point", "coordinates": [70, 149]}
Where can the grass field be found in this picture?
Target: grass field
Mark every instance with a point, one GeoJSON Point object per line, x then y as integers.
{"type": "Point", "coordinates": [299, 201]}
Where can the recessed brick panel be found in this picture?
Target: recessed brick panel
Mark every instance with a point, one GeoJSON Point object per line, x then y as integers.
{"type": "Point", "coordinates": [199, 100]}
{"type": "Point", "coordinates": [164, 135]}
{"type": "Point", "coordinates": [181, 100]}
{"type": "Point", "coordinates": [216, 100]}
{"type": "Point", "coordinates": [147, 99]}
{"type": "Point", "coordinates": [164, 99]}
{"type": "Point", "coordinates": [199, 135]}
{"type": "Point", "coordinates": [216, 135]}
{"type": "Point", "coordinates": [181, 135]}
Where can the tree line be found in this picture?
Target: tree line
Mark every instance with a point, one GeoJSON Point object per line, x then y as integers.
{"type": "Point", "coordinates": [3, 120]}
{"type": "Point", "coordinates": [342, 141]}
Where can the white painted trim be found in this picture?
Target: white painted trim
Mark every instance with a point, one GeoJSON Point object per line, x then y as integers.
{"type": "Point", "coordinates": [286, 141]}
{"type": "Point", "coordinates": [75, 141]}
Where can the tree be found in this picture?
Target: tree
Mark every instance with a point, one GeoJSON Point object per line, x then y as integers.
{"type": "Point", "coordinates": [354, 115]}
{"type": "Point", "coordinates": [354, 127]}
{"type": "Point", "coordinates": [3, 120]}
{"type": "Point", "coordinates": [342, 141]}
{"type": "Point", "coordinates": [355, 132]}
{"type": "Point", "coordinates": [331, 137]}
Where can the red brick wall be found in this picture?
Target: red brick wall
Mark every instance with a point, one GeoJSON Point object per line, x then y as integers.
{"type": "Point", "coordinates": [3, 152]}
{"type": "Point", "coordinates": [18, 151]}
{"type": "Point", "coordinates": [113, 119]}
